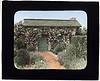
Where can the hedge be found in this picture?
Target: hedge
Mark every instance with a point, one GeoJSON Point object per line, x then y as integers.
{"type": "Point", "coordinates": [22, 58]}
{"type": "Point", "coordinates": [80, 43]}
{"type": "Point", "coordinates": [75, 40]}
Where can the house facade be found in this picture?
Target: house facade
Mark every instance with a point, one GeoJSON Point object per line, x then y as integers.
{"type": "Point", "coordinates": [45, 26]}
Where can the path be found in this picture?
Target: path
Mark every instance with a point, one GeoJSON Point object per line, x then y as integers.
{"type": "Point", "coordinates": [51, 61]}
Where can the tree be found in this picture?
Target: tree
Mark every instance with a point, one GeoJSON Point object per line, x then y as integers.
{"type": "Point", "coordinates": [84, 31]}
{"type": "Point", "coordinates": [79, 31]}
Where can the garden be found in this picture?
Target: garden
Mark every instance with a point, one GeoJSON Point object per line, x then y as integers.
{"type": "Point", "coordinates": [69, 49]}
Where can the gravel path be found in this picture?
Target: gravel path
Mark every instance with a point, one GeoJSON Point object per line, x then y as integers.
{"type": "Point", "coordinates": [52, 61]}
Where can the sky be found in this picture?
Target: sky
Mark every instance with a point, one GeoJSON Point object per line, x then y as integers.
{"type": "Point", "coordinates": [81, 16]}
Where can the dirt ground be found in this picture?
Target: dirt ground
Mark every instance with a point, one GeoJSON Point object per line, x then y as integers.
{"type": "Point", "coordinates": [51, 61]}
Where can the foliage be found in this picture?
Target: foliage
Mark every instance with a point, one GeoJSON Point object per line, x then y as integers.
{"type": "Point", "coordinates": [30, 36]}
{"type": "Point", "coordinates": [79, 31]}
{"type": "Point", "coordinates": [80, 42]}
{"type": "Point", "coordinates": [75, 40]}
{"type": "Point", "coordinates": [20, 44]}
{"type": "Point", "coordinates": [58, 48]}
{"type": "Point", "coordinates": [36, 57]}
{"type": "Point", "coordinates": [53, 51]}
{"type": "Point", "coordinates": [31, 48]}
{"type": "Point", "coordinates": [84, 31]}
{"type": "Point", "coordinates": [15, 52]}
{"type": "Point", "coordinates": [74, 57]}
{"type": "Point", "coordinates": [70, 61]}
{"type": "Point", "coordinates": [26, 36]}
{"type": "Point", "coordinates": [36, 62]}
{"type": "Point", "coordinates": [22, 58]}
{"type": "Point", "coordinates": [38, 65]}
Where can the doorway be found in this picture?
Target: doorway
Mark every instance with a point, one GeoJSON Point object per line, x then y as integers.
{"type": "Point", "coordinates": [43, 43]}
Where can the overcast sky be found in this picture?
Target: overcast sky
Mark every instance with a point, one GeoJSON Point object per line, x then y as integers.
{"type": "Point", "coordinates": [81, 16]}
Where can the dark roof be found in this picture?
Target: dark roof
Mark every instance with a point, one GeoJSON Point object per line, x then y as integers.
{"type": "Point", "coordinates": [50, 22]}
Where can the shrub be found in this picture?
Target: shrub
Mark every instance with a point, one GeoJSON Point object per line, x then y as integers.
{"type": "Point", "coordinates": [36, 57]}
{"type": "Point", "coordinates": [80, 42]}
{"type": "Point", "coordinates": [22, 58]}
{"type": "Point", "coordinates": [72, 56]}
{"type": "Point", "coordinates": [53, 51]}
{"type": "Point", "coordinates": [15, 52]}
{"type": "Point", "coordinates": [20, 44]}
{"type": "Point", "coordinates": [65, 57]}
{"type": "Point", "coordinates": [79, 31]}
{"type": "Point", "coordinates": [70, 61]}
{"type": "Point", "coordinates": [80, 39]}
{"type": "Point", "coordinates": [58, 48]}
{"type": "Point", "coordinates": [39, 65]}
{"type": "Point", "coordinates": [84, 31]}
{"type": "Point", "coordinates": [31, 48]}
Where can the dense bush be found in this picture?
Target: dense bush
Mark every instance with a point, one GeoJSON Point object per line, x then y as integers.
{"type": "Point", "coordinates": [71, 61]}
{"type": "Point", "coordinates": [80, 42]}
{"type": "Point", "coordinates": [31, 36]}
{"type": "Point", "coordinates": [31, 48]}
{"type": "Point", "coordinates": [22, 58]}
{"type": "Point", "coordinates": [79, 31]}
{"type": "Point", "coordinates": [74, 57]}
{"type": "Point", "coordinates": [37, 61]}
{"type": "Point", "coordinates": [58, 48]}
{"type": "Point", "coordinates": [20, 44]}
{"type": "Point", "coordinates": [75, 40]}
{"type": "Point", "coordinates": [38, 65]}
{"type": "Point", "coordinates": [84, 31]}
{"type": "Point", "coordinates": [36, 57]}
{"type": "Point", "coordinates": [53, 51]}
{"type": "Point", "coordinates": [15, 52]}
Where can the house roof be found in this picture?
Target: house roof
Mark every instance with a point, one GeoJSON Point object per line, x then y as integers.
{"type": "Point", "coordinates": [50, 22]}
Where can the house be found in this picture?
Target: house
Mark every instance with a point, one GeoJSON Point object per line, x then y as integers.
{"type": "Point", "coordinates": [49, 24]}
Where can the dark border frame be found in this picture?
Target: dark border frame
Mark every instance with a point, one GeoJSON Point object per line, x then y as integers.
{"type": "Point", "coordinates": [10, 72]}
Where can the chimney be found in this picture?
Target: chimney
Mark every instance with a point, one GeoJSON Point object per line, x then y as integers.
{"type": "Point", "coordinates": [73, 18]}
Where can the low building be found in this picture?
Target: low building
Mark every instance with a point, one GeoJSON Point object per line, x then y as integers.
{"type": "Point", "coordinates": [49, 24]}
